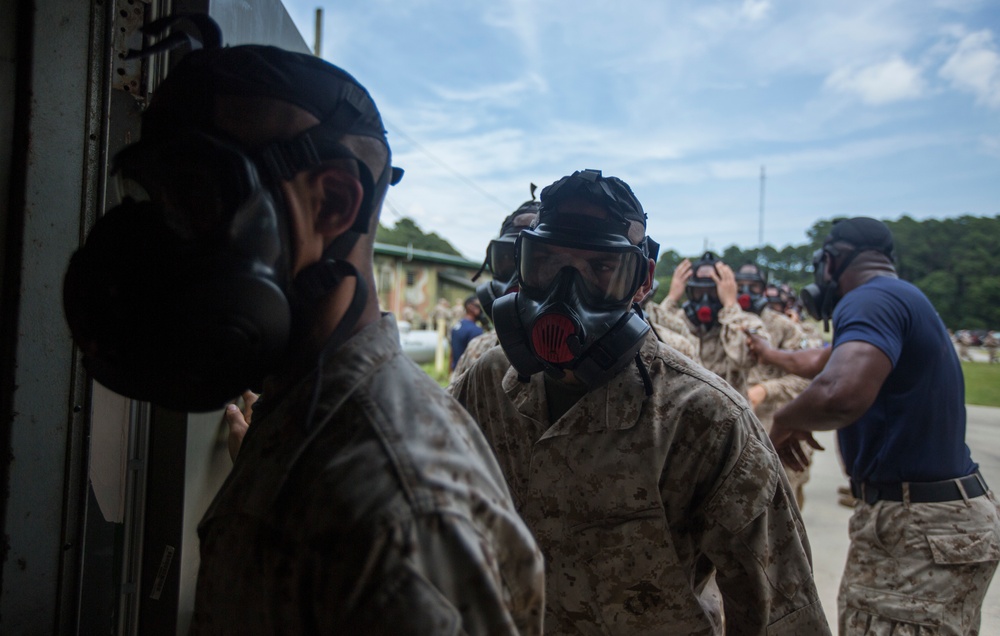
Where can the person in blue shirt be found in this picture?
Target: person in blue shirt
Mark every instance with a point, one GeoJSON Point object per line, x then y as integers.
{"type": "Point", "coordinates": [925, 534]}
{"type": "Point", "coordinates": [465, 330]}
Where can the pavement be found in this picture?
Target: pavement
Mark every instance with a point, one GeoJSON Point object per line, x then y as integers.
{"type": "Point", "coordinates": [826, 521]}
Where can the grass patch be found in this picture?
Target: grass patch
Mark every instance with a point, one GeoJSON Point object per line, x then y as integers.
{"type": "Point", "coordinates": [982, 383]}
{"type": "Point", "coordinates": [440, 378]}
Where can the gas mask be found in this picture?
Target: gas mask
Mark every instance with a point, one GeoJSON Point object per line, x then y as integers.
{"type": "Point", "coordinates": [860, 234]}
{"type": "Point", "coordinates": [500, 256]}
{"type": "Point", "coordinates": [501, 261]}
{"type": "Point", "coordinates": [820, 296]}
{"type": "Point", "coordinates": [183, 295]}
{"type": "Point", "coordinates": [702, 306]}
{"type": "Point", "coordinates": [573, 310]}
{"type": "Point", "coordinates": [750, 287]}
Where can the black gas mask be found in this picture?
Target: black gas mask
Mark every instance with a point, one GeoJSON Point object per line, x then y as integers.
{"type": "Point", "coordinates": [860, 234]}
{"type": "Point", "coordinates": [573, 308]}
{"type": "Point", "coordinates": [577, 277]}
{"type": "Point", "coordinates": [703, 305]}
{"type": "Point", "coordinates": [820, 296]}
{"type": "Point", "coordinates": [500, 257]}
{"type": "Point", "coordinates": [750, 286]}
{"type": "Point", "coordinates": [182, 295]}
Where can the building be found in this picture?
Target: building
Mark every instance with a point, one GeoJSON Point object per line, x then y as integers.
{"type": "Point", "coordinates": [408, 277]}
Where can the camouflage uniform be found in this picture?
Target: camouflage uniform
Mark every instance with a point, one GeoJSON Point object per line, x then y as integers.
{"type": "Point", "coordinates": [723, 348]}
{"type": "Point", "coordinates": [671, 330]}
{"type": "Point", "coordinates": [476, 348]}
{"type": "Point", "coordinates": [921, 568]}
{"type": "Point", "coordinates": [634, 499]}
{"type": "Point", "coordinates": [389, 515]}
{"type": "Point", "coordinates": [781, 387]}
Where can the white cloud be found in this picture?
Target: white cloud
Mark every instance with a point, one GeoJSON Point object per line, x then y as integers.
{"type": "Point", "coordinates": [754, 10]}
{"type": "Point", "coordinates": [991, 144]}
{"type": "Point", "coordinates": [531, 83]}
{"type": "Point", "coordinates": [883, 83]}
{"type": "Point", "coordinates": [974, 67]}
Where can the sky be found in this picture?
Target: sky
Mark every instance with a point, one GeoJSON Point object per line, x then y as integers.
{"type": "Point", "coordinates": [852, 108]}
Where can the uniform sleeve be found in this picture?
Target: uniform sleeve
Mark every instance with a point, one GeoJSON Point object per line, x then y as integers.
{"type": "Point", "coordinates": [734, 322]}
{"type": "Point", "coordinates": [784, 389]}
{"type": "Point", "coordinates": [755, 537]}
{"type": "Point", "coordinates": [435, 575]}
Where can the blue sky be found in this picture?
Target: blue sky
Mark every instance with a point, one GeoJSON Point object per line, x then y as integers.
{"type": "Point", "coordinates": [856, 107]}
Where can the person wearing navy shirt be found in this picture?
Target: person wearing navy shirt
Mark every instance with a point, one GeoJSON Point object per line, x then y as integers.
{"type": "Point", "coordinates": [925, 533]}
{"type": "Point", "coordinates": [465, 330]}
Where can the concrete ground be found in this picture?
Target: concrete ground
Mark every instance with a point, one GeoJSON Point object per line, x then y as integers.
{"type": "Point", "coordinates": [826, 521]}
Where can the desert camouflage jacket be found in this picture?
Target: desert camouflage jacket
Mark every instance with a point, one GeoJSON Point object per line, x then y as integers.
{"type": "Point", "coordinates": [385, 514]}
{"type": "Point", "coordinates": [723, 348]}
{"type": "Point", "coordinates": [635, 498]}
{"type": "Point", "coordinates": [781, 387]}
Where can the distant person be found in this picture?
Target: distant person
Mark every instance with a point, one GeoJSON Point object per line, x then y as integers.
{"type": "Point", "coordinates": [646, 480]}
{"type": "Point", "coordinates": [500, 262]}
{"type": "Point", "coordinates": [925, 534]}
{"type": "Point", "coordinates": [466, 329]}
{"type": "Point", "coordinates": [769, 387]}
{"type": "Point", "coordinates": [991, 343]}
{"type": "Point", "coordinates": [713, 315]}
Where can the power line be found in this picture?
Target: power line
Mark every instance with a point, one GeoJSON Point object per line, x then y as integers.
{"type": "Point", "coordinates": [469, 182]}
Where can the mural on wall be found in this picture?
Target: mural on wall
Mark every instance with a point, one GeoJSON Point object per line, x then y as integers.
{"type": "Point", "coordinates": [411, 283]}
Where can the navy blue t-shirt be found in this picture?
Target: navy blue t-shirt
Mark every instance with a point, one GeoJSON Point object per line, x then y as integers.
{"type": "Point", "coordinates": [915, 430]}
{"type": "Point", "coordinates": [460, 337]}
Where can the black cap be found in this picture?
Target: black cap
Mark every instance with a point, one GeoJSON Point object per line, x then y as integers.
{"type": "Point", "coordinates": [528, 207]}
{"type": "Point", "coordinates": [590, 185]}
{"type": "Point", "coordinates": [863, 233]}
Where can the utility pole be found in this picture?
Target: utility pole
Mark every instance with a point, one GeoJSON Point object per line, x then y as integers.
{"type": "Point", "coordinates": [318, 41]}
{"type": "Point", "coordinates": [760, 233]}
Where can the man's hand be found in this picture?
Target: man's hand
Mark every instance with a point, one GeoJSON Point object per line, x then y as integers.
{"type": "Point", "coordinates": [679, 281]}
{"type": "Point", "coordinates": [725, 284]}
{"type": "Point", "coordinates": [788, 443]}
{"type": "Point", "coordinates": [758, 345]}
{"type": "Point", "coordinates": [239, 421]}
{"type": "Point", "coordinates": [756, 394]}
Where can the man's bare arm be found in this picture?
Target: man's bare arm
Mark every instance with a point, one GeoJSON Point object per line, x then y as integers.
{"type": "Point", "coordinates": [806, 363]}
{"type": "Point", "coordinates": [838, 397]}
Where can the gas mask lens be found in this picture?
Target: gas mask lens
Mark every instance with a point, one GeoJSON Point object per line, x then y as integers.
{"type": "Point", "coordinates": [609, 276]}
{"type": "Point", "coordinates": [502, 260]}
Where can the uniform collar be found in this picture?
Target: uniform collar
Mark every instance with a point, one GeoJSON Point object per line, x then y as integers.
{"type": "Point", "coordinates": [613, 406]}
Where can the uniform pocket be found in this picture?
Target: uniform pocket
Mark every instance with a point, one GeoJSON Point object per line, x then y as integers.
{"type": "Point", "coordinates": [970, 547]}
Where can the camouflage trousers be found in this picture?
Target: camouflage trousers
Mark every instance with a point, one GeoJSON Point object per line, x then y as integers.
{"type": "Point", "coordinates": [919, 568]}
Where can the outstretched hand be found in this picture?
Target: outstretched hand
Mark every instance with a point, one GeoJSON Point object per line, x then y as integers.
{"type": "Point", "coordinates": [789, 445]}
{"type": "Point", "coordinates": [239, 422]}
{"type": "Point", "coordinates": [758, 345]}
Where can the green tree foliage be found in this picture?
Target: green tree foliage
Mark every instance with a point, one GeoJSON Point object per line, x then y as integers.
{"type": "Point", "coordinates": [953, 261]}
{"type": "Point", "coordinates": [407, 232]}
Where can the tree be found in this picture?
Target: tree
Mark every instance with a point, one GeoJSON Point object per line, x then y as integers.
{"type": "Point", "coordinates": [406, 232]}
{"type": "Point", "coordinates": [952, 261]}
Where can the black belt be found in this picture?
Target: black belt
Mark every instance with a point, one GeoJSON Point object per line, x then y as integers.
{"type": "Point", "coordinates": [922, 491]}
